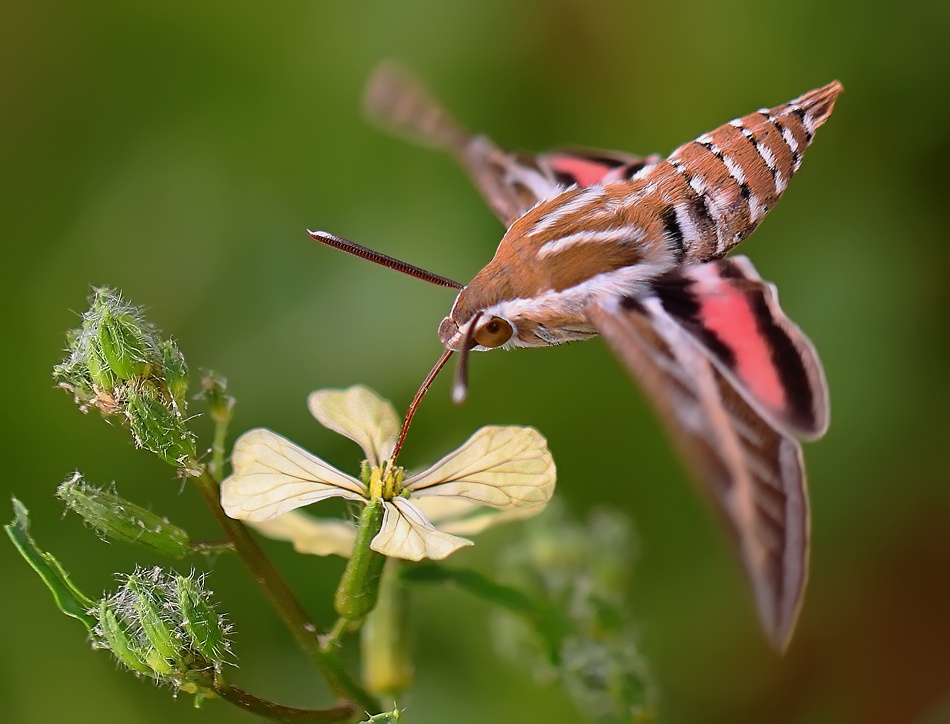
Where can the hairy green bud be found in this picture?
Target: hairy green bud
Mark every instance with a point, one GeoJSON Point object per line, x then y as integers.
{"type": "Point", "coordinates": [115, 518]}
{"type": "Point", "coordinates": [119, 363]}
{"type": "Point", "coordinates": [176, 374]}
{"type": "Point", "coordinates": [205, 628]}
{"type": "Point", "coordinates": [164, 646]}
{"type": "Point", "coordinates": [159, 429]}
{"type": "Point", "coordinates": [128, 344]}
{"type": "Point", "coordinates": [116, 638]}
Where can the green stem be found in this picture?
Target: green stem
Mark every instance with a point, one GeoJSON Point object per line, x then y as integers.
{"type": "Point", "coordinates": [218, 451]}
{"type": "Point", "coordinates": [295, 618]}
{"type": "Point", "coordinates": [358, 590]}
{"type": "Point", "coordinates": [332, 639]}
{"type": "Point", "coordinates": [344, 711]}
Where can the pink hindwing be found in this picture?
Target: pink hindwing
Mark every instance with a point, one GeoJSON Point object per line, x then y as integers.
{"type": "Point", "coordinates": [735, 316]}
{"type": "Point", "coordinates": [752, 472]}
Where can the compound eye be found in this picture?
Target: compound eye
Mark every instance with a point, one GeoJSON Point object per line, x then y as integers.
{"type": "Point", "coordinates": [494, 333]}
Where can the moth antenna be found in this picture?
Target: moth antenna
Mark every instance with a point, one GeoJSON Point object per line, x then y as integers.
{"type": "Point", "coordinates": [351, 247]}
{"type": "Point", "coordinates": [414, 405]}
{"type": "Point", "coordinates": [460, 385]}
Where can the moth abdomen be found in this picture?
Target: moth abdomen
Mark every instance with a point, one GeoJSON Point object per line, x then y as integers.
{"type": "Point", "coordinates": [736, 174]}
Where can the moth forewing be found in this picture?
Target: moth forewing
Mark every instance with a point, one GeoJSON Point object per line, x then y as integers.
{"type": "Point", "coordinates": [752, 473]}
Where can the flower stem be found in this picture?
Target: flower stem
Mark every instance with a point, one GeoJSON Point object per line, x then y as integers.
{"type": "Point", "coordinates": [222, 419]}
{"type": "Point", "coordinates": [277, 712]}
{"type": "Point", "coordinates": [358, 590]}
{"type": "Point", "coordinates": [285, 603]}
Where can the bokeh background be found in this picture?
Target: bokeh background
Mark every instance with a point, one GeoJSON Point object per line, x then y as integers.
{"type": "Point", "coordinates": [178, 151]}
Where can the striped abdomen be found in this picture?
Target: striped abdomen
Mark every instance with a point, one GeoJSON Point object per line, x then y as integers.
{"type": "Point", "coordinates": [714, 191]}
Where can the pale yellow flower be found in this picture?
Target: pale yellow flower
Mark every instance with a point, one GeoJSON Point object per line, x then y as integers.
{"type": "Point", "coordinates": [499, 474]}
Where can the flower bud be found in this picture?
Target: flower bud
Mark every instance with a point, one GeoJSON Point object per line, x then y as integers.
{"type": "Point", "coordinates": [115, 518]}
{"type": "Point", "coordinates": [159, 429]}
{"type": "Point", "coordinates": [119, 363]}
{"type": "Point", "coordinates": [205, 628]}
{"type": "Point", "coordinates": [164, 649]}
{"type": "Point", "coordinates": [122, 645]}
{"type": "Point", "coordinates": [127, 342]}
{"type": "Point", "coordinates": [176, 374]}
{"type": "Point", "coordinates": [214, 389]}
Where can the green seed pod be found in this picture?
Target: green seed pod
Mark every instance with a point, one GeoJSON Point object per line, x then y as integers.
{"type": "Point", "coordinates": [359, 586]}
{"type": "Point", "coordinates": [115, 518]}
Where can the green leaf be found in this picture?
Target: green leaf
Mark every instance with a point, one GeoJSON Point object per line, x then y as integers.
{"type": "Point", "coordinates": [69, 599]}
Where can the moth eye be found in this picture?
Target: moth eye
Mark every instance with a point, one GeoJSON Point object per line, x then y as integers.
{"type": "Point", "coordinates": [493, 333]}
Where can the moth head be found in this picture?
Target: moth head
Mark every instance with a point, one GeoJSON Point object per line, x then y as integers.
{"type": "Point", "coordinates": [482, 331]}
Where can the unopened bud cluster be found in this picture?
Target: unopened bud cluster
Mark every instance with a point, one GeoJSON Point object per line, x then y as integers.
{"type": "Point", "coordinates": [164, 626]}
{"type": "Point", "coordinates": [119, 363]}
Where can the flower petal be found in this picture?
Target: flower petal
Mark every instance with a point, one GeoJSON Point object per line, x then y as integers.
{"type": "Point", "coordinates": [407, 534]}
{"type": "Point", "coordinates": [463, 517]}
{"type": "Point", "coordinates": [272, 476]}
{"type": "Point", "coordinates": [361, 415]}
{"type": "Point", "coordinates": [316, 536]}
{"type": "Point", "coordinates": [498, 466]}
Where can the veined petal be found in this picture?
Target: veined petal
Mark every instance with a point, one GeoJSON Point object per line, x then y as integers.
{"type": "Point", "coordinates": [407, 534]}
{"type": "Point", "coordinates": [316, 536]}
{"type": "Point", "coordinates": [272, 476]}
{"type": "Point", "coordinates": [361, 415]}
{"type": "Point", "coordinates": [497, 466]}
{"type": "Point", "coordinates": [464, 517]}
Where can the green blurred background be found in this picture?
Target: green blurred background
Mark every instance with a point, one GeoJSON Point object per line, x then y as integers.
{"type": "Point", "coordinates": [178, 151]}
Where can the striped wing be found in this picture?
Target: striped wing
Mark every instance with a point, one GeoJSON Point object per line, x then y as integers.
{"type": "Point", "coordinates": [735, 315]}
{"type": "Point", "coordinates": [511, 182]}
{"type": "Point", "coordinates": [752, 471]}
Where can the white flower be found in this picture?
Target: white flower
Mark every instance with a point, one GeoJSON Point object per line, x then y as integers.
{"type": "Point", "coordinates": [499, 474]}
